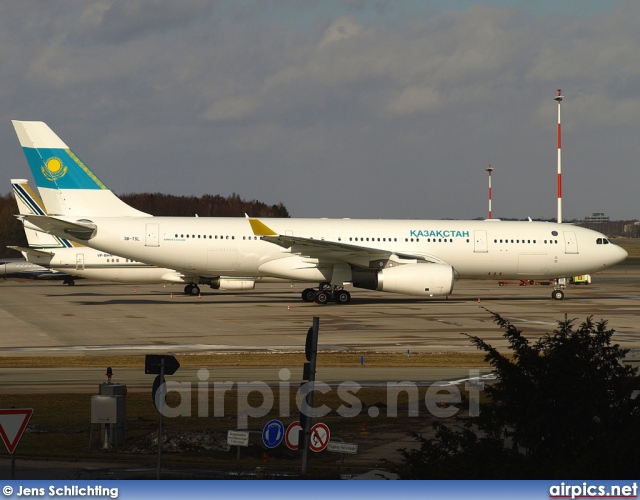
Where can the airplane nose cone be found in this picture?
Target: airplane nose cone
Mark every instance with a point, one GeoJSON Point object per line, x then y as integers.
{"type": "Point", "coordinates": [621, 254]}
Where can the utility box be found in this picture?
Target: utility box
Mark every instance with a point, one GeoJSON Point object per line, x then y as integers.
{"type": "Point", "coordinates": [109, 409]}
{"type": "Point", "coordinates": [112, 389]}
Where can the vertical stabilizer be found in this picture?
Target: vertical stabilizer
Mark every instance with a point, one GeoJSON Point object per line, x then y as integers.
{"type": "Point", "coordinates": [66, 184]}
{"type": "Point", "coordinates": [29, 203]}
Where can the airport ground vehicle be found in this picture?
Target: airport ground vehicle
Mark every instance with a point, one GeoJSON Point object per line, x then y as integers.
{"type": "Point", "coordinates": [583, 278]}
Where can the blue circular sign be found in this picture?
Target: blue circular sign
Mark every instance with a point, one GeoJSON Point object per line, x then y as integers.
{"type": "Point", "coordinates": [273, 433]}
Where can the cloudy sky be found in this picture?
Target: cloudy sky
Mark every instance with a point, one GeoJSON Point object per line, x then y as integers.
{"type": "Point", "coordinates": [352, 108]}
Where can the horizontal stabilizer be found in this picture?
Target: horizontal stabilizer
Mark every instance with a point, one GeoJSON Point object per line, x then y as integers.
{"type": "Point", "coordinates": [32, 250]}
{"type": "Point", "coordinates": [62, 228]}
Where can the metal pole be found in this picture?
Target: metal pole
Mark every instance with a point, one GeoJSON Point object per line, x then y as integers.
{"type": "Point", "coordinates": [307, 404]}
{"type": "Point", "coordinates": [490, 169]}
{"type": "Point", "coordinates": [160, 410]}
{"type": "Point", "coordinates": [559, 98]}
{"type": "Point", "coordinates": [13, 466]}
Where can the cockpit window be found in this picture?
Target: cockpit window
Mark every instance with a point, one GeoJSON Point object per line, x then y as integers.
{"type": "Point", "coordinates": [602, 241]}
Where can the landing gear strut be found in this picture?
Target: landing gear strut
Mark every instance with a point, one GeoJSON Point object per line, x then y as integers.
{"type": "Point", "coordinates": [326, 293]}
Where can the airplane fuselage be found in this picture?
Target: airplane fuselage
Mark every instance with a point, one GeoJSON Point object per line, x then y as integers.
{"type": "Point", "coordinates": [475, 249]}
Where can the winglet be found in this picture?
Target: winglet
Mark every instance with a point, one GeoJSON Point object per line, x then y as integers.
{"type": "Point", "coordinates": [261, 229]}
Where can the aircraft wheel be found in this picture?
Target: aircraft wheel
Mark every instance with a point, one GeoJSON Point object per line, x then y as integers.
{"type": "Point", "coordinates": [195, 290]}
{"type": "Point", "coordinates": [71, 282]}
{"type": "Point", "coordinates": [187, 289]}
{"type": "Point", "coordinates": [321, 297]}
{"type": "Point", "coordinates": [343, 297]}
{"type": "Point", "coordinates": [308, 294]}
{"type": "Point", "coordinates": [557, 295]}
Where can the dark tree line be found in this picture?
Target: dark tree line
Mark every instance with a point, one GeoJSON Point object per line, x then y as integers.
{"type": "Point", "coordinates": [205, 206]}
{"type": "Point", "coordinates": [11, 232]}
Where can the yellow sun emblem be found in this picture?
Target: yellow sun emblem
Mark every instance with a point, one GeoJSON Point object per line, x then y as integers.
{"type": "Point", "coordinates": [54, 169]}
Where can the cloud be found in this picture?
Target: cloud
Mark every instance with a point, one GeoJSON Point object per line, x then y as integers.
{"type": "Point", "coordinates": [384, 109]}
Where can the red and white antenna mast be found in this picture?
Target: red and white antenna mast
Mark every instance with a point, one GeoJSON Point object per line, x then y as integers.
{"type": "Point", "coordinates": [490, 169]}
{"type": "Point", "coordinates": [559, 99]}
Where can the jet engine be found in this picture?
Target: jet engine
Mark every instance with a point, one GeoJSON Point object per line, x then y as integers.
{"type": "Point", "coordinates": [228, 283]}
{"type": "Point", "coordinates": [423, 279]}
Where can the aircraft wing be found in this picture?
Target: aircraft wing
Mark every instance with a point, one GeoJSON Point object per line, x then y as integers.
{"type": "Point", "coordinates": [60, 227]}
{"type": "Point", "coordinates": [331, 251]}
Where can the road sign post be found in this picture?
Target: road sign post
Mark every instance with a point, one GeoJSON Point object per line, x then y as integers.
{"type": "Point", "coordinates": [309, 373]}
{"type": "Point", "coordinates": [342, 448]}
{"type": "Point", "coordinates": [161, 365]}
{"type": "Point", "coordinates": [238, 439]}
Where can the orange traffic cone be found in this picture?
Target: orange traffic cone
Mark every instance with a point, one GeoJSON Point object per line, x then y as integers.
{"type": "Point", "coordinates": [478, 300]}
{"type": "Point", "coordinates": [199, 295]}
{"type": "Point", "coordinates": [171, 295]}
{"type": "Point", "coordinates": [288, 308]}
{"type": "Point", "coordinates": [135, 290]}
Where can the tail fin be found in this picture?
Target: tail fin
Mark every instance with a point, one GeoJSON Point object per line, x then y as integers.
{"type": "Point", "coordinates": [66, 184]}
{"type": "Point", "coordinates": [29, 203]}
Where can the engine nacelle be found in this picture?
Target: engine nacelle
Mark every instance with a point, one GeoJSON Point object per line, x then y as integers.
{"type": "Point", "coordinates": [426, 280]}
{"type": "Point", "coordinates": [233, 283]}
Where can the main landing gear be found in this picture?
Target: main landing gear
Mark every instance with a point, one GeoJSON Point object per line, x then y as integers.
{"type": "Point", "coordinates": [326, 293]}
{"type": "Point", "coordinates": [192, 289]}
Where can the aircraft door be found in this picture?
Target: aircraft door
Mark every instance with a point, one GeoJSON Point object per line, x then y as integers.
{"type": "Point", "coordinates": [152, 235]}
{"type": "Point", "coordinates": [570, 242]}
{"type": "Point", "coordinates": [480, 242]}
{"type": "Point", "coordinates": [80, 262]}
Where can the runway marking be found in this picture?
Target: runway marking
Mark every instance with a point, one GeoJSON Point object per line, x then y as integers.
{"type": "Point", "coordinates": [164, 347]}
{"type": "Point", "coordinates": [532, 322]}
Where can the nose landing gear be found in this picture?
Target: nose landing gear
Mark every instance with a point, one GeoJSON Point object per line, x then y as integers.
{"type": "Point", "coordinates": [558, 288]}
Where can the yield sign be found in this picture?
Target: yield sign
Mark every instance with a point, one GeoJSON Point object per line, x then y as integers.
{"type": "Point", "coordinates": [12, 425]}
{"type": "Point", "coordinates": [319, 437]}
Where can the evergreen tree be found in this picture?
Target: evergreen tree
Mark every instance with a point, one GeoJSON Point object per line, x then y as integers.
{"type": "Point", "coordinates": [561, 407]}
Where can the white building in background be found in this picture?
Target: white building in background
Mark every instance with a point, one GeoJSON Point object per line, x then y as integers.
{"type": "Point", "coordinates": [597, 217]}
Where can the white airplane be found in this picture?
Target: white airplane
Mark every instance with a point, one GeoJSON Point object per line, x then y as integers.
{"type": "Point", "coordinates": [416, 257]}
{"type": "Point", "coordinates": [11, 268]}
{"type": "Point", "coordinates": [62, 255]}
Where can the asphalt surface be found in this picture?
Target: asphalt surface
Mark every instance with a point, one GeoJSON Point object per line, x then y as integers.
{"type": "Point", "coordinates": [97, 319]}
{"type": "Point", "coordinates": [94, 318]}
